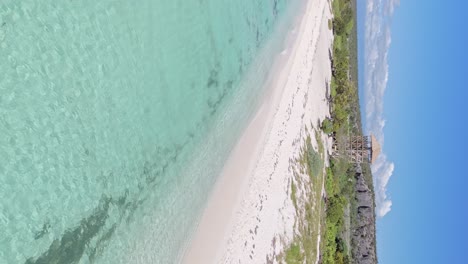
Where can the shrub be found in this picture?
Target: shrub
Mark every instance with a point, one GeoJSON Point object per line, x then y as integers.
{"type": "Point", "coordinates": [327, 126]}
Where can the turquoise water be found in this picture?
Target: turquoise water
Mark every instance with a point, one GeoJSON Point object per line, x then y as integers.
{"type": "Point", "coordinates": [116, 118]}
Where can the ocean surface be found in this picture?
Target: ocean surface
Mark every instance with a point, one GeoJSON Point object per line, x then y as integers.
{"type": "Point", "coordinates": [116, 118]}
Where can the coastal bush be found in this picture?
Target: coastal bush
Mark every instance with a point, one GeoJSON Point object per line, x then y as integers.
{"type": "Point", "coordinates": [339, 183]}
{"type": "Point", "coordinates": [339, 26]}
{"type": "Point", "coordinates": [293, 255]}
{"type": "Point", "coordinates": [327, 126]}
{"type": "Point", "coordinates": [335, 210]}
{"type": "Point", "coordinates": [334, 249]}
{"type": "Point", "coordinates": [330, 188]}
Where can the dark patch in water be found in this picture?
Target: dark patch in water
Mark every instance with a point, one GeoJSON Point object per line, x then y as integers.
{"type": "Point", "coordinates": [213, 79]}
{"type": "Point", "coordinates": [43, 231]}
{"type": "Point", "coordinates": [258, 38]}
{"type": "Point", "coordinates": [214, 104]}
{"type": "Point", "coordinates": [151, 172]}
{"type": "Point", "coordinates": [102, 243]}
{"type": "Point", "coordinates": [240, 62]}
{"type": "Point", "coordinates": [71, 247]}
{"type": "Point", "coordinates": [275, 8]}
{"type": "Point", "coordinates": [76, 241]}
{"type": "Point", "coordinates": [191, 135]}
{"type": "Point", "coordinates": [130, 209]}
{"type": "Point", "coordinates": [229, 84]}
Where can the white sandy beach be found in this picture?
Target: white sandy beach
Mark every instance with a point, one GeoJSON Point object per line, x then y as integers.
{"type": "Point", "coordinates": [250, 216]}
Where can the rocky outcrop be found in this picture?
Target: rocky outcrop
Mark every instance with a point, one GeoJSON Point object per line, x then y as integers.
{"type": "Point", "coordinates": [364, 251]}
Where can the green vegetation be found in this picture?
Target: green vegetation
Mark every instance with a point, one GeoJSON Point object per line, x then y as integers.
{"type": "Point", "coordinates": [314, 161]}
{"type": "Point", "coordinates": [339, 182]}
{"type": "Point", "coordinates": [338, 196]}
{"type": "Point", "coordinates": [294, 255]}
{"type": "Point", "coordinates": [344, 84]}
{"type": "Point", "coordinates": [327, 126]}
{"type": "Point", "coordinates": [303, 249]}
{"type": "Point", "coordinates": [293, 194]}
{"type": "Point", "coordinates": [336, 213]}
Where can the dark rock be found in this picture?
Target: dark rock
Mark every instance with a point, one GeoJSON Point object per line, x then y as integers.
{"type": "Point", "coordinates": [364, 251]}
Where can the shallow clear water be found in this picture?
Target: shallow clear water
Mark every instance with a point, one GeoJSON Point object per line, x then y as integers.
{"type": "Point", "coordinates": [116, 117]}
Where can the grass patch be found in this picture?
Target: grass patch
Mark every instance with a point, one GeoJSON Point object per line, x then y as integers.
{"type": "Point", "coordinates": [309, 210]}
{"type": "Point", "coordinates": [311, 160]}
{"type": "Point", "coordinates": [294, 255]}
{"type": "Point", "coordinates": [293, 194]}
{"type": "Point", "coordinates": [349, 26]}
{"type": "Point", "coordinates": [336, 7]}
{"type": "Point", "coordinates": [338, 43]}
{"type": "Point", "coordinates": [333, 88]}
{"type": "Point", "coordinates": [318, 138]}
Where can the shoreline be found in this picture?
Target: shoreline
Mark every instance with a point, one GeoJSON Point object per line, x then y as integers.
{"type": "Point", "coordinates": [249, 208]}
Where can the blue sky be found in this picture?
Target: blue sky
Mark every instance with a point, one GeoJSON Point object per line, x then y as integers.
{"type": "Point", "coordinates": [413, 79]}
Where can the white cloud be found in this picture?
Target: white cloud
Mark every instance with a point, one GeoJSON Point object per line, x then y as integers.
{"type": "Point", "coordinates": [383, 170]}
{"type": "Point", "coordinates": [378, 40]}
{"type": "Point", "coordinates": [390, 7]}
